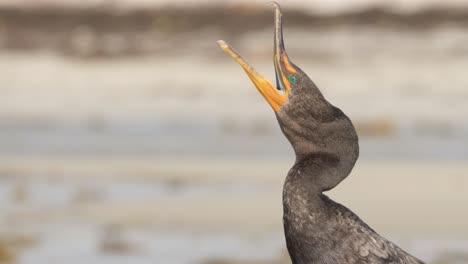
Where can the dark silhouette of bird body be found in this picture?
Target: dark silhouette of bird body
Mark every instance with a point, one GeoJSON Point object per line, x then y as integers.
{"type": "Point", "coordinates": [317, 229]}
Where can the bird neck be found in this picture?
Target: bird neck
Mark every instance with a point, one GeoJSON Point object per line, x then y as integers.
{"type": "Point", "coordinates": [318, 172]}
{"type": "Point", "coordinates": [307, 179]}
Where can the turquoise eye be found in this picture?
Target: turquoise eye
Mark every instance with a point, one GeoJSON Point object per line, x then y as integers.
{"type": "Point", "coordinates": [292, 79]}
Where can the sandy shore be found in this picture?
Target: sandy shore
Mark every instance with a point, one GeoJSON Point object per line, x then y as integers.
{"type": "Point", "coordinates": [397, 198]}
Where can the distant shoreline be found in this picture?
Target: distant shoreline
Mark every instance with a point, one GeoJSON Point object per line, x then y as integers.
{"type": "Point", "coordinates": [189, 18]}
{"type": "Point", "coordinates": [71, 30]}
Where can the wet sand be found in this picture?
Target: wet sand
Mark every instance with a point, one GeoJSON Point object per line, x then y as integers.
{"type": "Point", "coordinates": [399, 198]}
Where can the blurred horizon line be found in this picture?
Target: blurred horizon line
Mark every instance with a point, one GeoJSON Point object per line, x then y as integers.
{"type": "Point", "coordinates": [74, 31]}
{"type": "Point", "coordinates": [379, 15]}
{"type": "Point", "coordinates": [329, 7]}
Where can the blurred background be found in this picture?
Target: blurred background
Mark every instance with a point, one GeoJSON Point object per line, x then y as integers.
{"type": "Point", "coordinates": [128, 136]}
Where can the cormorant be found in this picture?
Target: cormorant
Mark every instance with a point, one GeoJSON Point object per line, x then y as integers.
{"type": "Point", "coordinates": [317, 229]}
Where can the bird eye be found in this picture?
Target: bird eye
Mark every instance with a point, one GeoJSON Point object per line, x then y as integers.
{"type": "Point", "coordinates": [292, 79]}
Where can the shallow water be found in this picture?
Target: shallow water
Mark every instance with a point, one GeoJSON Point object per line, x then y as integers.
{"type": "Point", "coordinates": [185, 247]}
{"type": "Point", "coordinates": [71, 240]}
{"type": "Point", "coordinates": [405, 90]}
{"type": "Point", "coordinates": [208, 139]}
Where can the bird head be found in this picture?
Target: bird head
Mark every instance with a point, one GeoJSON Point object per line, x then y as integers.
{"type": "Point", "coordinates": [306, 118]}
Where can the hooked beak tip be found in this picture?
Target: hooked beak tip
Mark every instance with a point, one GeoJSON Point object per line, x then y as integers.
{"type": "Point", "coordinates": [275, 4]}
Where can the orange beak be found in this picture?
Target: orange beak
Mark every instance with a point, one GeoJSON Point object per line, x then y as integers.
{"type": "Point", "coordinates": [276, 97]}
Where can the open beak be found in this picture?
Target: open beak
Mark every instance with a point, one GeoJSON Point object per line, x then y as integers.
{"type": "Point", "coordinates": [275, 96]}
